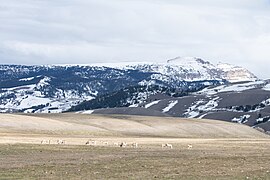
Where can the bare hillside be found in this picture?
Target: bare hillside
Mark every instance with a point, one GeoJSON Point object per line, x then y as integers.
{"type": "Point", "coordinates": [116, 125]}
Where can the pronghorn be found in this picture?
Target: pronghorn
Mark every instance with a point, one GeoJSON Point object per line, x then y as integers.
{"type": "Point", "coordinates": [167, 145]}
{"type": "Point", "coordinates": [135, 145]}
{"type": "Point", "coordinates": [123, 144]}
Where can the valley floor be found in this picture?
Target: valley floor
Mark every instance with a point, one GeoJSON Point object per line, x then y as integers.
{"type": "Point", "coordinates": [236, 155]}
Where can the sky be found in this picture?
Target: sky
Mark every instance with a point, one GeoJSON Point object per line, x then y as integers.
{"type": "Point", "coordinates": [102, 31]}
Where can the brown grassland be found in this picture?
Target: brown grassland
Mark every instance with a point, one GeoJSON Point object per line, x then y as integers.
{"type": "Point", "coordinates": [220, 150]}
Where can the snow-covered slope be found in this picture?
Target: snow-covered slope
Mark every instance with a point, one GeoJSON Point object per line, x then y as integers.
{"type": "Point", "coordinates": [32, 98]}
{"type": "Point", "coordinates": [235, 73]}
{"type": "Point", "coordinates": [201, 69]}
{"type": "Point", "coordinates": [191, 69]}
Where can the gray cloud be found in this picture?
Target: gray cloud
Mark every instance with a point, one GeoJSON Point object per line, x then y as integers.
{"type": "Point", "coordinates": [87, 31]}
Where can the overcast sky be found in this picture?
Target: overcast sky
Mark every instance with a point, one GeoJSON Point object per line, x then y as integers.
{"type": "Point", "coordinates": [95, 31]}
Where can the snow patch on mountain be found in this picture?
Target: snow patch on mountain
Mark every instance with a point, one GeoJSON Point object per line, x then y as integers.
{"type": "Point", "coordinates": [151, 104]}
{"type": "Point", "coordinates": [147, 83]}
{"type": "Point", "coordinates": [193, 63]}
{"type": "Point", "coordinates": [20, 88]}
{"type": "Point", "coordinates": [27, 79]}
{"type": "Point", "coordinates": [44, 82]}
{"type": "Point", "coordinates": [241, 119]}
{"type": "Point", "coordinates": [267, 87]}
{"type": "Point", "coordinates": [201, 106]}
{"type": "Point", "coordinates": [170, 106]}
{"type": "Point", "coordinates": [29, 101]}
{"type": "Point", "coordinates": [225, 67]}
{"type": "Point", "coordinates": [192, 111]}
{"type": "Point", "coordinates": [210, 105]}
{"type": "Point", "coordinates": [88, 112]}
{"type": "Point", "coordinates": [232, 88]}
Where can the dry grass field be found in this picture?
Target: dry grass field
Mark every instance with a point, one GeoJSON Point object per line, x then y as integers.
{"type": "Point", "coordinates": [220, 150]}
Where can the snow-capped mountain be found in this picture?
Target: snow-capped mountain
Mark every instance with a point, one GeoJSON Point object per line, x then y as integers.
{"type": "Point", "coordinates": [196, 69]}
{"type": "Point", "coordinates": [57, 88]}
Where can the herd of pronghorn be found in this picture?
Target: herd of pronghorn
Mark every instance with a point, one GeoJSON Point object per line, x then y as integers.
{"type": "Point", "coordinates": [104, 143]}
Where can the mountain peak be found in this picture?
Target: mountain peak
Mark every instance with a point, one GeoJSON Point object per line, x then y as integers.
{"type": "Point", "coordinates": [186, 60]}
{"type": "Point", "coordinates": [226, 66]}
{"type": "Point", "coordinates": [205, 69]}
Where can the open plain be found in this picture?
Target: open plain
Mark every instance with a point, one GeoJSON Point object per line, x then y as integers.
{"type": "Point", "coordinates": [201, 149]}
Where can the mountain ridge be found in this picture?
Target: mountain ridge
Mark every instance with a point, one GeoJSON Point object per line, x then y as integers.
{"type": "Point", "coordinates": [57, 88]}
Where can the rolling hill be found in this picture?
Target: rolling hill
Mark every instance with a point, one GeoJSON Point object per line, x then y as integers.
{"type": "Point", "coordinates": [73, 125]}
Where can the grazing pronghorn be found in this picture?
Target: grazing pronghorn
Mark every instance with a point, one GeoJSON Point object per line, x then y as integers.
{"type": "Point", "coordinates": [106, 143]}
{"type": "Point", "coordinates": [45, 142]}
{"type": "Point", "coordinates": [94, 143]}
{"type": "Point", "coordinates": [135, 145]}
{"type": "Point", "coordinates": [167, 146]}
{"type": "Point", "coordinates": [123, 144]}
{"type": "Point", "coordinates": [59, 141]}
{"type": "Point", "coordinates": [89, 142]}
